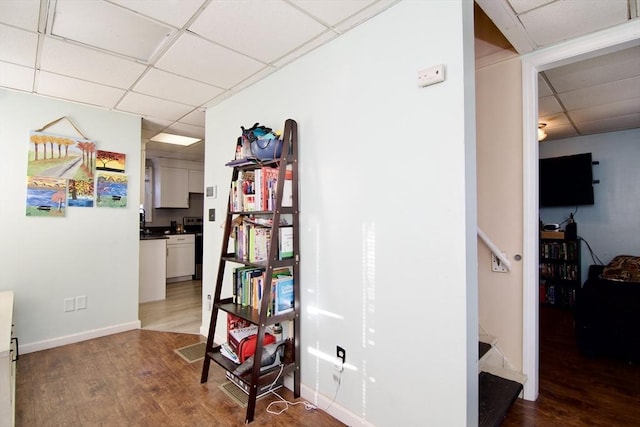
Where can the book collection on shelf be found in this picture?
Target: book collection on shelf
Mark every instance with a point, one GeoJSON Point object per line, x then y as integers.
{"type": "Point", "coordinates": [261, 241]}
{"type": "Point", "coordinates": [559, 272]}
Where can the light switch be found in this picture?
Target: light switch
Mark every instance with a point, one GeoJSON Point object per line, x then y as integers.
{"type": "Point", "coordinates": [212, 214]}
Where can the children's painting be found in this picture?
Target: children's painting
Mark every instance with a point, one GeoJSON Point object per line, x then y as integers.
{"type": "Point", "coordinates": [80, 193]}
{"type": "Point", "coordinates": [59, 156]}
{"type": "Point", "coordinates": [111, 190]}
{"type": "Point", "coordinates": [46, 196]}
{"type": "Point", "coordinates": [109, 161]}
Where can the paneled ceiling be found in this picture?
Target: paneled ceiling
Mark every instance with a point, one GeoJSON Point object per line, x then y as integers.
{"type": "Point", "coordinates": [166, 60]}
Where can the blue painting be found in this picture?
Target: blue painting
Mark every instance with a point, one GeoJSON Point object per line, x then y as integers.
{"type": "Point", "coordinates": [46, 196]}
{"type": "Point", "coordinates": [111, 190]}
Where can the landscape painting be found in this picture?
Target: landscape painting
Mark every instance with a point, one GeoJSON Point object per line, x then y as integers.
{"type": "Point", "coordinates": [80, 193]}
{"type": "Point", "coordinates": [111, 190]}
{"type": "Point", "coordinates": [59, 156]}
{"type": "Point", "coordinates": [46, 196]}
{"type": "Point", "coordinates": [110, 161]}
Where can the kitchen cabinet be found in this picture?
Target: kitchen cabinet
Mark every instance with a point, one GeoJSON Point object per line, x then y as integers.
{"type": "Point", "coordinates": [8, 358]}
{"type": "Point", "coordinates": [153, 270]}
{"type": "Point", "coordinates": [181, 256]}
{"type": "Point", "coordinates": [196, 181]}
{"type": "Point", "coordinates": [171, 187]}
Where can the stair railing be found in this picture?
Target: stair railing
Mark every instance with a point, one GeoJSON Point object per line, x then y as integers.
{"type": "Point", "coordinates": [496, 251]}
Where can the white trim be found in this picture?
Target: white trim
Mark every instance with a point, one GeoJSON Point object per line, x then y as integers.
{"type": "Point", "coordinates": [615, 38]}
{"type": "Point", "coordinates": [81, 336]}
{"type": "Point", "coordinates": [338, 412]}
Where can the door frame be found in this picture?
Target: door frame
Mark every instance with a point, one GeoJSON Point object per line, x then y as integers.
{"type": "Point", "coordinates": [592, 45]}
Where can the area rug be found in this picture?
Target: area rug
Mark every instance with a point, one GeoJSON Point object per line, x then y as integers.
{"type": "Point", "coordinates": [192, 353]}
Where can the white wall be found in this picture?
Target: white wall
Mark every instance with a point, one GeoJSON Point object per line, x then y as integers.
{"type": "Point", "coordinates": [388, 245]}
{"type": "Point", "coordinates": [611, 225]}
{"type": "Point", "coordinates": [499, 123]}
{"type": "Point", "coordinates": [91, 252]}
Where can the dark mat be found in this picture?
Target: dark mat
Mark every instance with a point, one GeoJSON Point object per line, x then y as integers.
{"type": "Point", "coordinates": [483, 348]}
{"type": "Point", "coordinates": [496, 395]}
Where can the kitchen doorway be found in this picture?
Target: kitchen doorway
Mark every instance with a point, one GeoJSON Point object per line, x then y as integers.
{"type": "Point", "coordinates": [180, 312]}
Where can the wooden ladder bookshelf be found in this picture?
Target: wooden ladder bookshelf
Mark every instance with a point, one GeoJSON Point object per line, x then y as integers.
{"type": "Point", "coordinates": [264, 315]}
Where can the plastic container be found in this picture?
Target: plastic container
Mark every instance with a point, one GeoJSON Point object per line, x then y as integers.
{"type": "Point", "coordinates": [266, 149]}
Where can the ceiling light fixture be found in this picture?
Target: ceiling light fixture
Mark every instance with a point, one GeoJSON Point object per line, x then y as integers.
{"type": "Point", "coordinates": [541, 133]}
{"type": "Point", "coordinates": [168, 138]}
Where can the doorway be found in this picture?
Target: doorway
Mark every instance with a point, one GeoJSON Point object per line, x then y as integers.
{"type": "Point", "coordinates": [589, 46]}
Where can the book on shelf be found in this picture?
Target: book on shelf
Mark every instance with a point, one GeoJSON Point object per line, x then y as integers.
{"type": "Point", "coordinates": [285, 241]}
{"type": "Point", "coordinates": [227, 351]}
{"type": "Point", "coordinates": [269, 183]}
{"type": "Point", "coordinates": [259, 240]}
{"type": "Point", "coordinates": [284, 296]}
{"type": "Point", "coordinates": [287, 192]}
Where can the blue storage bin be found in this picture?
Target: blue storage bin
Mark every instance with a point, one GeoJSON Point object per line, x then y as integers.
{"type": "Point", "coordinates": [266, 149]}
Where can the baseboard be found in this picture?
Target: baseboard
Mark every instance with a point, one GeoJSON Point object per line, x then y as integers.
{"type": "Point", "coordinates": [74, 338]}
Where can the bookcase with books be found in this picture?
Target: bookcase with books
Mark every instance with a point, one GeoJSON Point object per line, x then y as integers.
{"type": "Point", "coordinates": [260, 247]}
{"type": "Point", "coordinates": [559, 272]}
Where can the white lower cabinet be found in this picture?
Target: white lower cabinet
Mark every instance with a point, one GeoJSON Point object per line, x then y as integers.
{"type": "Point", "coordinates": [153, 266]}
{"type": "Point", "coordinates": [8, 358]}
{"type": "Point", "coordinates": [181, 255]}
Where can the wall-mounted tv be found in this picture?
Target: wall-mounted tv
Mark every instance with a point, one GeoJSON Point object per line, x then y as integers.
{"type": "Point", "coordinates": [566, 181]}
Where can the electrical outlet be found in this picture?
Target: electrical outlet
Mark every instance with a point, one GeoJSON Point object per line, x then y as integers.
{"type": "Point", "coordinates": [431, 75]}
{"type": "Point", "coordinates": [69, 304]}
{"type": "Point", "coordinates": [341, 354]}
{"type": "Point", "coordinates": [81, 303]}
{"type": "Point", "coordinates": [496, 265]}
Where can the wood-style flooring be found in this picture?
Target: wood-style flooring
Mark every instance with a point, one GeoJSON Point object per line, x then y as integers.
{"type": "Point", "coordinates": [575, 390]}
{"type": "Point", "coordinates": [181, 311]}
{"type": "Point", "coordinates": [135, 379]}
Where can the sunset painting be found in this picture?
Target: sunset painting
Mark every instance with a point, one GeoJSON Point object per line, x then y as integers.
{"type": "Point", "coordinates": [111, 190]}
{"type": "Point", "coordinates": [46, 196]}
{"type": "Point", "coordinates": [59, 156]}
{"type": "Point", "coordinates": [110, 161]}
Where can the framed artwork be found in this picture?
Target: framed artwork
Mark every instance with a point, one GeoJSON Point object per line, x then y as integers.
{"type": "Point", "coordinates": [110, 161]}
{"type": "Point", "coordinates": [111, 190]}
{"type": "Point", "coordinates": [60, 156]}
{"type": "Point", "coordinates": [80, 193]}
{"type": "Point", "coordinates": [46, 196]}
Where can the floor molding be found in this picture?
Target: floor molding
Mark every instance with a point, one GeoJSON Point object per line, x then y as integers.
{"type": "Point", "coordinates": [74, 338]}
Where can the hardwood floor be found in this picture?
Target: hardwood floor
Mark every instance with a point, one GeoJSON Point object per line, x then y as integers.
{"type": "Point", "coordinates": [135, 379]}
{"type": "Point", "coordinates": [575, 390]}
{"type": "Point", "coordinates": [179, 312]}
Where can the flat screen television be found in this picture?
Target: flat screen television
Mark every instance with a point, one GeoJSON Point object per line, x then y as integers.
{"type": "Point", "coordinates": [566, 181]}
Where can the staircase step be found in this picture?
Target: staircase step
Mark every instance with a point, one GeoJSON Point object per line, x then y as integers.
{"type": "Point", "coordinates": [483, 348]}
{"type": "Point", "coordinates": [496, 395]}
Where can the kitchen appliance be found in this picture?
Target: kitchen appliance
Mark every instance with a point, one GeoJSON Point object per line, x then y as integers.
{"type": "Point", "coordinates": [193, 224]}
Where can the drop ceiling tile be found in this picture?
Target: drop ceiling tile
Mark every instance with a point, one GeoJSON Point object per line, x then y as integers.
{"type": "Point", "coordinates": [267, 30]}
{"type": "Point", "coordinates": [364, 15]}
{"type": "Point", "coordinates": [601, 94]}
{"type": "Point", "coordinates": [520, 6]}
{"type": "Point", "coordinates": [332, 12]}
{"type": "Point", "coordinates": [543, 87]}
{"type": "Point", "coordinates": [109, 27]}
{"type": "Point", "coordinates": [308, 47]}
{"type": "Point", "coordinates": [605, 68]}
{"type": "Point", "coordinates": [16, 76]}
{"type": "Point", "coordinates": [155, 124]}
{"type": "Point", "coordinates": [560, 132]}
{"type": "Point", "coordinates": [199, 59]}
{"type": "Point", "coordinates": [88, 64]}
{"type": "Point", "coordinates": [149, 106]}
{"type": "Point", "coordinates": [553, 120]}
{"type": "Point", "coordinates": [186, 130]}
{"type": "Point", "coordinates": [172, 12]}
{"type": "Point", "coordinates": [20, 13]}
{"type": "Point", "coordinates": [196, 117]}
{"type": "Point", "coordinates": [631, 121]}
{"type": "Point", "coordinates": [548, 105]}
{"type": "Point", "coordinates": [162, 84]}
{"type": "Point", "coordinates": [147, 134]}
{"type": "Point", "coordinates": [563, 20]}
{"type": "Point", "coordinates": [18, 46]}
{"type": "Point", "coordinates": [77, 90]}
{"type": "Point", "coordinates": [253, 79]}
{"type": "Point", "coordinates": [600, 112]}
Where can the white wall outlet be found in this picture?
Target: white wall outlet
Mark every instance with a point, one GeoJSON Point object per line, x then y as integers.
{"type": "Point", "coordinates": [81, 302]}
{"type": "Point", "coordinates": [430, 76]}
{"type": "Point", "coordinates": [69, 304]}
{"type": "Point", "coordinates": [496, 265]}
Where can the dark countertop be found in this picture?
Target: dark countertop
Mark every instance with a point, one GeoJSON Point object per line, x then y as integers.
{"type": "Point", "coordinates": [159, 235]}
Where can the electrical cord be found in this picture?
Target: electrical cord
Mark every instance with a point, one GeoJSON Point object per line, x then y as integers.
{"type": "Point", "coordinates": [594, 256]}
{"type": "Point", "coordinates": [308, 406]}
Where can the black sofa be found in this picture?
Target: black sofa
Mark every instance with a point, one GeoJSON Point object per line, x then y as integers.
{"type": "Point", "coordinates": [607, 317]}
